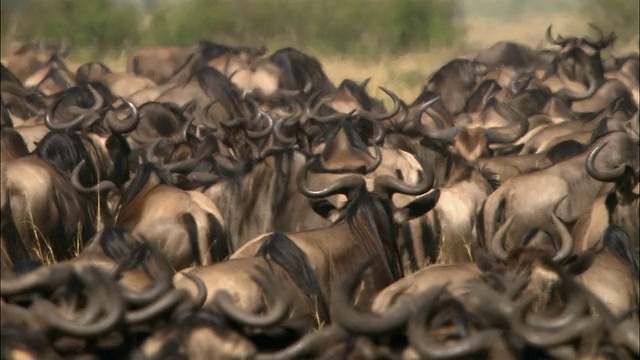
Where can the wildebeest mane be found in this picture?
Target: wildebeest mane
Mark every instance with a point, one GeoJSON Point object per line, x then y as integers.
{"type": "Point", "coordinates": [425, 96]}
{"type": "Point", "coordinates": [358, 93]}
{"type": "Point", "coordinates": [530, 102]}
{"type": "Point", "coordinates": [298, 67]}
{"type": "Point", "coordinates": [64, 151]}
{"type": "Point", "coordinates": [476, 99]}
{"type": "Point", "coordinates": [143, 173]}
{"type": "Point", "coordinates": [210, 50]}
{"type": "Point", "coordinates": [284, 252]}
{"type": "Point", "coordinates": [282, 168]}
{"type": "Point", "coordinates": [616, 240]}
{"type": "Point", "coordinates": [218, 87]}
{"type": "Point", "coordinates": [369, 217]}
{"type": "Point", "coordinates": [122, 247]}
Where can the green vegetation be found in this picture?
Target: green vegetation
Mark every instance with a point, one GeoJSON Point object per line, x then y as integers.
{"type": "Point", "coordinates": [354, 27]}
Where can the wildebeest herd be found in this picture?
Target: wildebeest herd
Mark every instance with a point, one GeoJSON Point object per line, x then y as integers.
{"type": "Point", "coordinates": [223, 202]}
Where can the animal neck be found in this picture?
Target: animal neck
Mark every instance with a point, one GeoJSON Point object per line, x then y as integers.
{"type": "Point", "coordinates": [373, 224]}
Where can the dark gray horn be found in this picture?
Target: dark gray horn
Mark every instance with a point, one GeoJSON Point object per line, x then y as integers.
{"type": "Point", "coordinates": [365, 323]}
{"type": "Point", "coordinates": [44, 276]}
{"type": "Point", "coordinates": [162, 283]}
{"type": "Point", "coordinates": [48, 119]}
{"type": "Point", "coordinates": [264, 132]}
{"type": "Point", "coordinates": [116, 127]}
{"type": "Point", "coordinates": [272, 288]}
{"type": "Point", "coordinates": [344, 185]}
{"type": "Point", "coordinates": [566, 239]}
{"type": "Point", "coordinates": [544, 337]}
{"type": "Point", "coordinates": [113, 305]}
{"type": "Point", "coordinates": [571, 95]}
{"type": "Point", "coordinates": [383, 116]}
{"type": "Point", "coordinates": [104, 185]}
{"type": "Point", "coordinates": [497, 243]}
{"type": "Point", "coordinates": [310, 344]}
{"type": "Point", "coordinates": [387, 185]}
{"type": "Point", "coordinates": [509, 133]}
{"type": "Point", "coordinates": [429, 348]}
{"type": "Point", "coordinates": [604, 176]}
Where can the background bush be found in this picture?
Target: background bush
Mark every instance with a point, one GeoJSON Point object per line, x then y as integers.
{"type": "Point", "coordinates": [354, 27]}
{"type": "Point", "coordinates": [97, 26]}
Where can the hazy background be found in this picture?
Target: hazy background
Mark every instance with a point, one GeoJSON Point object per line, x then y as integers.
{"type": "Point", "coordinates": [397, 42]}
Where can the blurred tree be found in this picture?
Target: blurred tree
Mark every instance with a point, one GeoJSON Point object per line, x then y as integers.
{"type": "Point", "coordinates": [96, 25]}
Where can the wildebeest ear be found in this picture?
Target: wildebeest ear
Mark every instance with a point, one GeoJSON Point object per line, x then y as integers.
{"type": "Point", "coordinates": [418, 207]}
{"type": "Point", "coordinates": [325, 209]}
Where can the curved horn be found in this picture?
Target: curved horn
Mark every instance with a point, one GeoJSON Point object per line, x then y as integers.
{"type": "Point", "coordinates": [387, 185]}
{"type": "Point", "coordinates": [178, 166]}
{"type": "Point", "coordinates": [163, 282]}
{"type": "Point", "coordinates": [378, 160]}
{"type": "Point", "coordinates": [544, 337]}
{"type": "Point", "coordinates": [560, 41]}
{"type": "Point", "coordinates": [507, 134]}
{"type": "Point", "coordinates": [64, 126]}
{"type": "Point", "coordinates": [40, 277]}
{"type": "Point", "coordinates": [365, 323]}
{"type": "Point", "coordinates": [599, 175]}
{"type": "Point", "coordinates": [516, 89]}
{"type": "Point", "coordinates": [309, 344]}
{"type": "Point", "coordinates": [113, 123]}
{"type": "Point", "coordinates": [575, 306]}
{"type": "Point", "coordinates": [445, 135]}
{"type": "Point", "coordinates": [272, 289]}
{"type": "Point", "coordinates": [262, 133]}
{"type": "Point", "coordinates": [344, 185]}
{"type": "Point", "coordinates": [297, 114]}
{"type": "Point", "coordinates": [565, 237]}
{"type": "Point", "coordinates": [104, 185]}
{"type": "Point", "coordinates": [113, 304]}
{"type": "Point", "coordinates": [497, 243]}
{"type": "Point", "coordinates": [336, 117]}
{"type": "Point", "coordinates": [98, 100]}
{"type": "Point", "coordinates": [429, 348]}
{"type": "Point", "coordinates": [570, 95]}
{"type": "Point", "coordinates": [203, 112]}
{"type": "Point", "coordinates": [203, 177]}
{"type": "Point", "coordinates": [374, 117]}
{"type": "Point", "coordinates": [279, 134]}
{"type": "Point", "coordinates": [168, 301]}
{"type": "Point", "coordinates": [603, 41]}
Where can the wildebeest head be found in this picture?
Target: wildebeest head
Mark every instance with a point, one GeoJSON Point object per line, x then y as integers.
{"type": "Point", "coordinates": [473, 143]}
{"type": "Point", "coordinates": [301, 72]}
{"type": "Point", "coordinates": [106, 147]}
{"type": "Point", "coordinates": [455, 81]}
{"type": "Point", "coordinates": [91, 71]}
{"type": "Point", "coordinates": [579, 58]}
